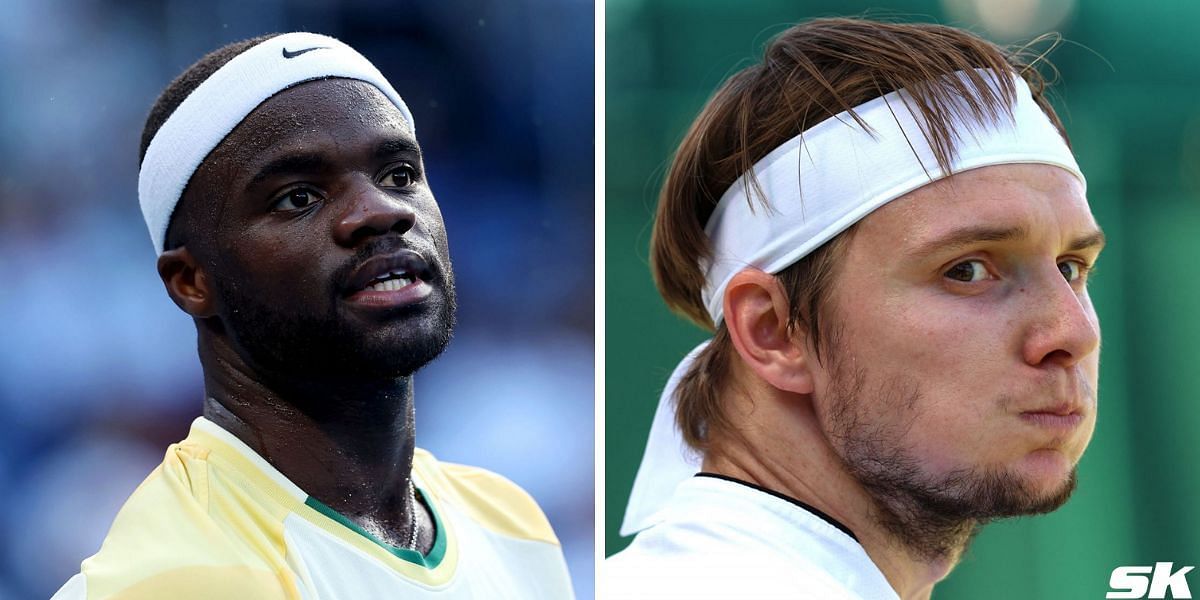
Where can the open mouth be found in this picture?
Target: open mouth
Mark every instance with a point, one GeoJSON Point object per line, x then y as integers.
{"type": "Point", "coordinates": [389, 272]}
{"type": "Point", "coordinates": [392, 281]}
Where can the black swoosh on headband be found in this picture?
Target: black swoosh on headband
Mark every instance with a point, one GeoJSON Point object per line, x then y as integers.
{"type": "Point", "coordinates": [287, 54]}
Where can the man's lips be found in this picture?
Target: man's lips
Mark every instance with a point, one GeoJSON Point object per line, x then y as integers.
{"type": "Point", "coordinates": [1060, 418]}
{"type": "Point", "coordinates": [390, 281]}
{"type": "Point", "coordinates": [404, 266]}
{"type": "Point", "coordinates": [394, 297]}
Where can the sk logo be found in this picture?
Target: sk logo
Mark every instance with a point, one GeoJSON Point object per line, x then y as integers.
{"type": "Point", "coordinates": [1132, 582]}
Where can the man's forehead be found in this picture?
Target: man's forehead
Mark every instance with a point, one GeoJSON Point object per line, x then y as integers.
{"type": "Point", "coordinates": [1021, 199]}
{"type": "Point", "coordinates": [321, 107]}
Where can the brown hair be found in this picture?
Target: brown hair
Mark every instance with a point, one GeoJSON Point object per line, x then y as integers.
{"type": "Point", "coordinates": [809, 73]}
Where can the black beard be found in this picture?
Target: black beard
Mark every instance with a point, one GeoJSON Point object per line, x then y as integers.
{"type": "Point", "coordinates": [285, 346]}
{"type": "Point", "coordinates": [935, 517]}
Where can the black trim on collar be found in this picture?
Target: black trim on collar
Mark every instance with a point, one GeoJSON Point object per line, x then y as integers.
{"type": "Point", "coordinates": [805, 506]}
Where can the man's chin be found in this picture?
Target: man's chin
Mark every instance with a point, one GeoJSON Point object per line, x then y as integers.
{"type": "Point", "coordinates": [297, 346]}
{"type": "Point", "coordinates": [973, 495]}
{"type": "Point", "coordinates": [1048, 494]}
{"type": "Point", "coordinates": [400, 353]}
{"type": "Point", "coordinates": [1020, 494]}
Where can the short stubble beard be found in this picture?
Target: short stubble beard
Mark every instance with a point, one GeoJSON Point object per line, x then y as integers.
{"type": "Point", "coordinates": [292, 346]}
{"type": "Point", "coordinates": [934, 516]}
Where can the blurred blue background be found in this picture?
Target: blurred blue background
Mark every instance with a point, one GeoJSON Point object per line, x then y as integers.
{"type": "Point", "coordinates": [1127, 91]}
{"type": "Point", "coordinates": [98, 369]}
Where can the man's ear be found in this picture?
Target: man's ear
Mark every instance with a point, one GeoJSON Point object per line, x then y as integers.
{"type": "Point", "coordinates": [186, 282]}
{"type": "Point", "coordinates": [756, 315]}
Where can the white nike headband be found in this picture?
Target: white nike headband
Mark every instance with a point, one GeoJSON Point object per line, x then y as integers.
{"type": "Point", "coordinates": [223, 100]}
{"type": "Point", "coordinates": [817, 185]}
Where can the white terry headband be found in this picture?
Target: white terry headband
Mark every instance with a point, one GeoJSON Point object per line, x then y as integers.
{"type": "Point", "coordinates": [817, 185]}
{"type": "Point", "coordinates": [223, 100]}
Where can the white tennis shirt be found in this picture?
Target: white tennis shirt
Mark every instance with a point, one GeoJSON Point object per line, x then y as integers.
{"type": "Point", "coordinates": [726, 539]}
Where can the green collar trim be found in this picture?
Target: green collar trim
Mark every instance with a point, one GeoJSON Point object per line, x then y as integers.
{"type": "Point", "coordinates": [429, 561]}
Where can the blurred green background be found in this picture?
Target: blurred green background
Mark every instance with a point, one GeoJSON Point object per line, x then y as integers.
{"type": "Point", "coordinates": [1130, 73]}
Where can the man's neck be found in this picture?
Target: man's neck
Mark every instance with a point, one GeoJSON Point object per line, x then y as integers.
{"type": "Point", "coordinates": [349, 444]}
{"type": "Point", "coordinates": [783, 449]}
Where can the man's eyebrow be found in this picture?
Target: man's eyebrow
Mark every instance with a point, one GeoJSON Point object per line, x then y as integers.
{"type": "Point", "coordinates": [1089, 241]}
{"type": "Point", "coordinates": [966, 236]}
{"type": "Point", "coordinates": [397, 146]}
{"type": "Point", "coordinates": [290, 163]}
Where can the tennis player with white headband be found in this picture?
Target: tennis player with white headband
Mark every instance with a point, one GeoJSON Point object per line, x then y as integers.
{"type": "Point", "coordinates": [889, 235]}
{"type": "Point", "coordinates": [286, 196]}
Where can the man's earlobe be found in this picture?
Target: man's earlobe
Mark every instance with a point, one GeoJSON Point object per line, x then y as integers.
{"type": "Point", "coordinates": [756, 314]}
{"type": "Point", "coordinates": [186, 282]}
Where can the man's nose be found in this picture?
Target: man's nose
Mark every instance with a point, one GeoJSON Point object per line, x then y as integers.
{"type": "Point", "coordinates": [1062, 328]}
{"type": "Point", "coordinates": [370, 211]}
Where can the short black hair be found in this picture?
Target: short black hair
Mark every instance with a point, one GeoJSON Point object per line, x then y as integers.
{"type": "Point", "coordinates": [187, 82]}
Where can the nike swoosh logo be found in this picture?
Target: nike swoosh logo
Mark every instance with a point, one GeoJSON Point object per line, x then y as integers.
{"type": "Point", "coordinates": [288, 54]}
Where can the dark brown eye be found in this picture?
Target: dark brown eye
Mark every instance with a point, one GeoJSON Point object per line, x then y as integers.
{"type": "Point", "coordinates": [968, 271]}
{"type": "Point", "coordinates": [402, 176]}
{"type": "Point", "coordinates": [296, 199]}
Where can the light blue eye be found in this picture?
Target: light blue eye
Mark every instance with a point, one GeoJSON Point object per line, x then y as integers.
{"type": "Point", "coordinates": [968, 271]}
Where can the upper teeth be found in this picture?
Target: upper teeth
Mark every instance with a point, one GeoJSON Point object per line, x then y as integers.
{"type": "Point", "coordinates": [389, 282]}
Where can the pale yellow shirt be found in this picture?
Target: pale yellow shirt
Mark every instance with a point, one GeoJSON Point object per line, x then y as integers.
{"type": "Point", "coordinates": [215, 520]}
